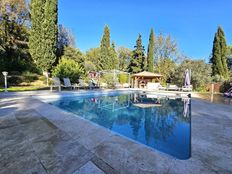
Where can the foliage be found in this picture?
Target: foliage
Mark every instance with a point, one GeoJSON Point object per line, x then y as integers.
{"type": "Point", "coordinates": [229, 57]}
{"type": "Point", "coordinates": [165, 49]}
{"type": "Point", "coordinates": [218, 60]}
{"type": "Point", "coordinates": [108, 79]}
{"type": "Point", "coordinates": [92, 58]}
{"type": "Point", "coordinates": [124, 56]}
{"type": "Point", "coordinates": [104, 50]}
{"type": "Point", "coordinates": [29, 77]}
{"type": "Point", "coordinates": [68, 68]}
{"type": "Point", "coordinates": [36, 32]}
{"type": "Point", "coordinates": [43, 36]}
{"type": "Point", "coordinates": [113, 58]}
{"type": "Point", "coordinates": [138, 57]}
{"type": "Point", "coordinates": [225, 86]}
{"type": "Point", "coordinates": [218, 78]}
{"type": "Point", "coordinates": [14, 19]}
{"type": "Point", "coordinates": [150, 52]}
{"type": "Point", "coordinates": [108, 57]}
{"type": "Point", "coordinates": [74, 54]}
{"type": "Point", "coordinates": [200, 73]}
{"type": "Point", "coordinates": [167, 68]}
{"type": "Point", "coordinates": [65, 38]}
{"type": "Point", "coordinates": [123, 78]}
{"type": "Point", "coordinates": [23, 88]}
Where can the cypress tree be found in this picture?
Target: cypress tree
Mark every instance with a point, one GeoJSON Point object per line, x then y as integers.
{"type": "Point", "coordinates": [43, 36]}
{"type": "Point", "coordinates": [35, 40]}
{"type": "Point", "coordinates": [150, 52]}
{"type": "Point", "coordinates": [138, 57]}
{"type": "Point", "coordinates": [113, 61]}
{"type": "Point", "coordinates": [50, 31]}
{"type": "Point", "coordinates": [104, 49]}
{"type": "Point", "coordinates": [218, 60]}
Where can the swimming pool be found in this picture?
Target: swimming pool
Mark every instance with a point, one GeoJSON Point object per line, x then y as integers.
{"type": "Point", "coordinates": [159, 122]}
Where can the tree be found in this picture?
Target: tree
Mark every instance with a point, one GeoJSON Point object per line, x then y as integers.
{"type": "Point", "coordinates": [92, 59]}
{"type": "Point", "coordinates": [68, 68]}
{"type": "Point", "coordinates": [150, 52]}
{"type": "Point", "coordinates": [14, 32]}
{"type": "Point", "coordinates": [113, 58]}
{"type": "Point", "coordinates": [49, 35]}
{"type": "Point", "coordinates": [218, 60]}
{"type": "Point", "coordinates": [124, 56]}
{"type": "Point", "coordinates": [200, 73]}
{"type": "Point", "coordinates": [65, 39]}
{"type": "Point", "coordinates": [43, 36]}
{"type": "Point", "coordinates": [104, 49]}
{"type": "Point", "coordinates": [165, 55]}
{"type": "Point", "coordinates": [36, 32]}
{"type": "Point", "coordinates": [229, 57]}
{"type": "Point", "coordinates": [138, 57]}
{"type": "Point", "coordinates": [74, 54]}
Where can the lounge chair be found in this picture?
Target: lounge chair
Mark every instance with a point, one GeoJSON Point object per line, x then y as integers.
{"type": "Point", "coordinates": [67, 84]}
{"type": "Point", "coordinates": [103, 85]}
{"type": "Point", "coordinates": [55, 83]}
{"type": "Point", "coordinates": [173, 88]}
{"type": "Point", "coordinates": [125, 85]}
{"type": "Point", "coordinates": [93, 84]}
{"type": "Point", "coordinates": [187, 88]}
{"type": "Point", "coordinates": [81, 84]}
{"type": "Point", "coordinates": [228, 93]}
{"type": "Point", "coordinates": [152, 86]}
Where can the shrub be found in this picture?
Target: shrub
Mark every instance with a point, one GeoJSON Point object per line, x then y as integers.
{"type": "Point", "coordinates": [29, 77]}
{"type": "Point", "coordinates": [109, 79]}
{"type": "Point", "coordinates": [123, 78]}
{"type": "Point", "coordinates": [14, 80]}
{"type": "Point", "coordinates": [225, 86]}
{"type": "Point", "coordinates": [68, 68]}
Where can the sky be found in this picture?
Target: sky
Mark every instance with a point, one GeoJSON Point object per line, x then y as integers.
{"type": "Point", "coordinates": [191, 23]}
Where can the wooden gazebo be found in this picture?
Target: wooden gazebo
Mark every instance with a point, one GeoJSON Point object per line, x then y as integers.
{"type": "Point", "coordinates": [141, 79]}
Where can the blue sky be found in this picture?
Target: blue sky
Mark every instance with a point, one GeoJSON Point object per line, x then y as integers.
{"type": "Point", "coordinates": [192, 23]}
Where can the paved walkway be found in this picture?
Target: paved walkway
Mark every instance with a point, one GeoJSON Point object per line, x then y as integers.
{"type": "Point", "coordinates": [39, 138]}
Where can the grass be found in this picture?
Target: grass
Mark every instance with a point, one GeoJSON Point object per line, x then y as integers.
{"type": "Point", "coordinates": [23, 88]}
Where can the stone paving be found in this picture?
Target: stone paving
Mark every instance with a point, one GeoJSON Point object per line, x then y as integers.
{"type": "Point", "coordinates": [36, 137]}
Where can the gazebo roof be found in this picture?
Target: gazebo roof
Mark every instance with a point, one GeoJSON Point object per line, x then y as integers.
{"type": "Point", "coordinates": [146, 74]}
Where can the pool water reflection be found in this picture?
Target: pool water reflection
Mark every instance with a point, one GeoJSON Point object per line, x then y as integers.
{"type": "Point", "coordinates": [161, 123]}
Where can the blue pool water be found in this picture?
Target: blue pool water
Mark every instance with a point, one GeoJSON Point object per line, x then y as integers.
{"type": "Point", "coordinates": [161, 123]}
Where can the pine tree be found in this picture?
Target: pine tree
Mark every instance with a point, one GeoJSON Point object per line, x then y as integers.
{"type": "Point", "coordinates": [43, 36]}
{"type": "Point", "coordinates": [138, 57]}
{"type": "Point", "coordinates": [218, 60]}
{"type": "Point", "coordinates": [150, 52]}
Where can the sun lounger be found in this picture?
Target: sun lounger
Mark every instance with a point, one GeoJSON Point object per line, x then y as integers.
{"type": "Point", "coordinates": [187, 88]}
{"type": "Point", "coordinates": [81, 84]}
{"type": "Point", "coordinates": [67, 84]}
{"type": "Point", "coordinates": [173, 88]}
{"type": "Point", "coordinates": [228, 93]}
{"type": "Point", "coordinates": [55, 83]}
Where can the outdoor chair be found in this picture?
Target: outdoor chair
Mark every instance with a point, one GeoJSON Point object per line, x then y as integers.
{"type": "Point", "coordinates": [153, 86]}
{"type": "Point", "coordinates": [55, 83]}
{"type": "Point", "coordinates": [125, 85]}
{"type": "Point", "coordinates": [187, 88]}
{"type": "Point", "coordinates": [67, 84]}
{"type": "Point", "coordinates": [81, 84]}
{"type": "Point", "coordinates": [173, 88]}
{"type": "Point", "coordinates": [228, 93]}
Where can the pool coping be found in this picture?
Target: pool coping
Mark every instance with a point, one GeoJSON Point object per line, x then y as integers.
{"type": "Point", "coordinates": [129, 156]}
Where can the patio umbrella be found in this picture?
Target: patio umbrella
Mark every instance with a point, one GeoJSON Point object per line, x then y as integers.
{"type": "Point", "coordinates": [187, 78]}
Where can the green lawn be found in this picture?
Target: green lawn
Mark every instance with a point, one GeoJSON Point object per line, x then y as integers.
{"type": "Point", "coordinates": [23, 88]}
